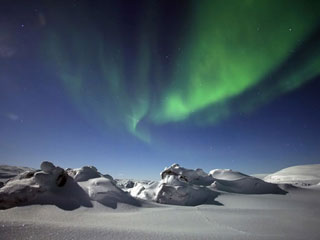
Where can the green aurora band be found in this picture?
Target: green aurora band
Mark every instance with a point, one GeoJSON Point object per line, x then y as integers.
{"type": "Point", "coordinates": [228, 49]}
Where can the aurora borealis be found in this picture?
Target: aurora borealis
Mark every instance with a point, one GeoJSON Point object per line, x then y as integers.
{"type": "Point", "coordinates": [145, 69]}
{"type": "Point", "coordinates": [158, 72]}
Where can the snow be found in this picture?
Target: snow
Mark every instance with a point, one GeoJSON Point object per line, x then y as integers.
{"type": "Point", "coordinates": [94, 206]}
{"type": "Point", "coordinates": [226, 174]}
{"type": "Point", "coordinates": [179, 186]}
{"type": "Point", "coordinates": [237, 182]}
{"type": "Point", "coordinates": [7, 172]}
{"type": "Point", "coordinates": [297, 175]}
{"type": "Point", "coordinates": [85, 173]}
{"type": "Point", "coordinates": [125, 183]}
{"type": "Point", "coordinates": [106, 192]}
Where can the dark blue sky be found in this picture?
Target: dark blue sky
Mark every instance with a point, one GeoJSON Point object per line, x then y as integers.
{"type": "Point", "coordinates": [42, 119]}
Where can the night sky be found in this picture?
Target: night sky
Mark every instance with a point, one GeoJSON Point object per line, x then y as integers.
{"type": "Point", "coordinates": [133, 86]}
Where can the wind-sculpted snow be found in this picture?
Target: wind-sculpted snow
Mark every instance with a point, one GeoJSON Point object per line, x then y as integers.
{"type": "Point", "coordinates": [178, 186]}
{"type": "Point", "coordinates": [7, 172]}
{"type": "Point", "coordinates": [182, 186]}
{"type": "Point", "coordinates": [196, 177]}
{"type": "Point", "coordinates": [26, 186]}
{"type": "Point", "coordinates": [102, 209]}
{"type": "Point", "coordinates": [67, 189]}
{"type": "Point", "coordinates": [125, 183]}
{"type": "Point", "coordinates": [72, 188]}
{"type": "Point", "coordinates": [84, 174]}
{"type": "Point", "coordinates": [298, 175]}
{"type": "Point", "coordinates": [237, 182]}
{"type": "Point", "coordinates": [226, 174]}
{"type": "Point", "coordinates": [106, 192]}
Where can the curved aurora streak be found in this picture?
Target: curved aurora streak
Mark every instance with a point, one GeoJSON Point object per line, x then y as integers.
{"type": "Point", "coordinates": [214, 58]}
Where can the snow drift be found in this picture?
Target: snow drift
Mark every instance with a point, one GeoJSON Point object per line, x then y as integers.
{"type": "Point", "coordinates": [178, 186]}
{"type": "Point", "coordinates": [237, 182]}
{"type": "Point", "coordinates": [181, 186]}
{"type": "Point", "coordinates": [7, 172]}
{"type": "Point", "coordinates": [67, 189]}
{"type": "Point", "coordinates": [296, 175]}
{"type": "Point", "coordinates": [72, 188]}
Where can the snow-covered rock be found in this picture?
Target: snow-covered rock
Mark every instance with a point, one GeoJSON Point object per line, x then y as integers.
{"type": "Point", "coordinates": [296, 175]}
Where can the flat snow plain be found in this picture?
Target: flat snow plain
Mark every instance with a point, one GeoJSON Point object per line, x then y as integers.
{"type": "Point", "coordinates": [294, 215]}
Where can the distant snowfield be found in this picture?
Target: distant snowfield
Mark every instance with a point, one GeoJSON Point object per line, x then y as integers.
{"type": "Point", "coordinates": [83, 204]}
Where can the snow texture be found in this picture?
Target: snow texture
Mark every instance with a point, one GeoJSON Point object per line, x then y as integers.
{"type": "Point", "coordinates": [303, 175]}
{"type": "Point", "coordinates": [237, 182]}
{"type": "Point", "coordinates": [98, 208]}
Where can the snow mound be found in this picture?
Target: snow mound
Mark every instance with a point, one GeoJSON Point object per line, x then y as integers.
{"type": "Point", "coordinates": [179, 186]}
{"type": "Point", "coordinates": [67, 189]}
{"type": "Point", "coordinates": [125, 183]}
{"type": "Point", "coordinates": [145, 191]}
{"type": "Point", "coordinates": [237, 182]}
{"type": "Point", "coordinates": [296, 175]}
{"type": "Point", "coordinates": [226, 174]}
{"type": "Point", "coordinates": [7, 172]}
{"type": "Point", "coordinates": [248, 185]}
{"type": "Point", "coordinates": [197, 177]}
{"type": "Point", "coordinates": [18, 191]}
{"type": "Point", "coordinates": [106, 192]}
{"type": "Point", "coordinates": [27, 185]}
{"type": "Point", "coordinates": [85, 173]}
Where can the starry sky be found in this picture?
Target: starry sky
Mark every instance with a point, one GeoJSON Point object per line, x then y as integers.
{"type": "Point", "coordinates": [133, 86]}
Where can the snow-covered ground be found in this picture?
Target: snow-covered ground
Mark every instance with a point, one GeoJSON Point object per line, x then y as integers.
{"type": "Point", "coordinates": [298, 175]}
{"type": "Point", "coordinates": [56, 203]}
